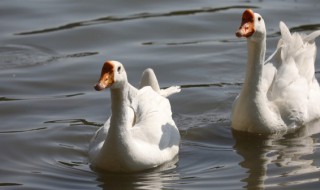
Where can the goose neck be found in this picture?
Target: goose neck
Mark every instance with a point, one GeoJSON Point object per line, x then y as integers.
{"type": "Point", "coordinates": [256, 56]}
{"type": "Point", "coordinates": [121, 100]}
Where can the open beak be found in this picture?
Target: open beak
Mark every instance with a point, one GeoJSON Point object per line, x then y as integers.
{"type": "Point", "coordinates": [246, 28]}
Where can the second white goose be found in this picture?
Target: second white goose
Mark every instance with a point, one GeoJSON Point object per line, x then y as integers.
{"type": "Point", "coordinates": [282, 93]}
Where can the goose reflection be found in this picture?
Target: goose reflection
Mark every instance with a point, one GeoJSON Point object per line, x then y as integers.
{"type": "Point", "coordinates": [150, 179]}
{"type": "Point", "coordinates": [278, 160]}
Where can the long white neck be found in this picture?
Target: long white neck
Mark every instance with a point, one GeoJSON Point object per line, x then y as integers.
{"type": "Point", "coordinates": [118, 139]}
{"type": "Point", "coordinates": [121, 99]}
{"type": "Point", "coordinates": [256, 56]}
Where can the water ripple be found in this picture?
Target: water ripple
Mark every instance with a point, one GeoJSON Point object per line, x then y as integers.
{"type": "Point", "coordinates": [204, 85]}
{"type": "Point", "coordinates": [9, 184]}
{"type": "Point", "coordinates": [5, 99]}
{"type": "Point", "coordinates": [307, 27]}
{"type": "Point", "coordinates": [23, 131]}
{"type": "Point", "coordinates": [74, 122]}
{"type": "Point", "coordinates": [17, 55]}
{"type": "Point", "coordinates": [111, 19]}
{"type": "Point", "coordinates": [202, 41]}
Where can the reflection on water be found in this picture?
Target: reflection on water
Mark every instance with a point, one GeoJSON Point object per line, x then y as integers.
{"type": "Point", "coordinates": [273, 161]}
{"type": "Point", "coordinates": [152, 179]}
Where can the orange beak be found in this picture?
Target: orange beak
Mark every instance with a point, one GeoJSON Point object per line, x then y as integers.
{"type": "Point", "coordinates": [246, 28]}
{"type": "Point", "coordinates": [106, 77]}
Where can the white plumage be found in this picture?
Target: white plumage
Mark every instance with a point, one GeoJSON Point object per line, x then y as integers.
{"type": "Point", "coordinates": [280, 94]}
{"type": "Point", "coordinates": [140, 134]}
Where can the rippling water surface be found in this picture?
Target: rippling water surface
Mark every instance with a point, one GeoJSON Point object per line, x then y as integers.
{"type": "Point", "coordinates": [51, 53]}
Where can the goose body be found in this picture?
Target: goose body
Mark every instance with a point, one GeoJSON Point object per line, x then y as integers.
{"type": "Point", "coordinates": [280, 94]}
{"type": "Point", "coordinates": [140, 134]}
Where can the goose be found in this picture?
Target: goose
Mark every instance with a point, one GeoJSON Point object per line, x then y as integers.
{"type": "Point", "coordinates": [281, 94]}
{"type": "Point", "coordinates": [140, 134]}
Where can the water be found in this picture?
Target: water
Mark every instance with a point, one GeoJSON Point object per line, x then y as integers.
{"type": "Point", "coordinates": [51, 53]}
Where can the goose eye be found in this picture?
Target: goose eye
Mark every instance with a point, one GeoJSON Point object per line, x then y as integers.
{"type": "Point", "coordinates": [259, 18]}
{"type": "Point", "coordinates": [119, 69]}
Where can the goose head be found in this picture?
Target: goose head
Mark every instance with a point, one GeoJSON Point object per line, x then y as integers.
{"type": "Point", "coordinates": [252, 26]}
{"type": "Point", "coordinates": [113, 75]}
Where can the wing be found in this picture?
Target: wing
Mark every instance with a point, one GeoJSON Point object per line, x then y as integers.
{"type": "Point", "coordinates": [98, 139]}
{"type": "Point", "coordinates": [149, 79]}
{"type": "Point", "coordinates": [294, 62]}
{"type": "Point", "coordinates": [269, 72]}
{"type": "Point", "coordinates": [170, 91]}
{"type": "Point", "coordinates": [301, 49]}
{"type": "Point", "coordinates": [153, 119]}
{"type": "Point", "coordinates": [295, 75]}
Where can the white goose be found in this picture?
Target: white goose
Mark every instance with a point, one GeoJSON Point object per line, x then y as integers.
{"type": "Point", "coordinates": [281, 94]}
{"type": "Point", "coordinates": [140, 134]}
